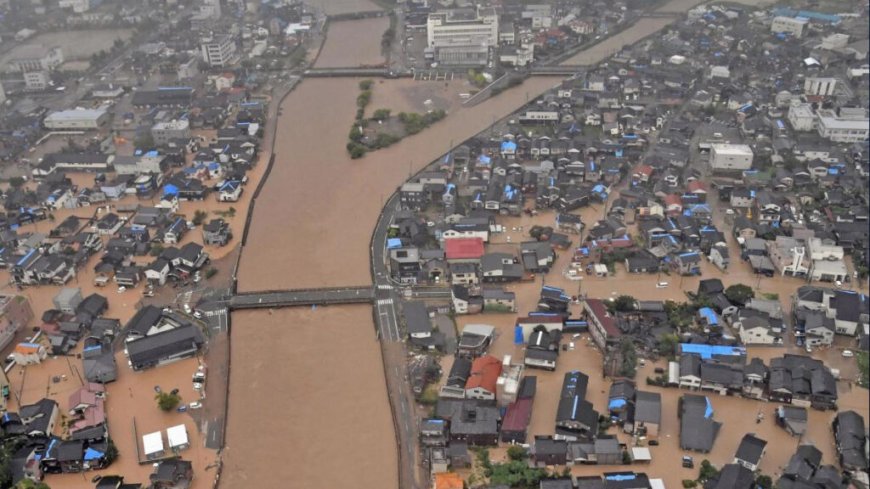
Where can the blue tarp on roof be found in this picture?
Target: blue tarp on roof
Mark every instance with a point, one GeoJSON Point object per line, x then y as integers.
{"type": "Point", "coordinates": [620, 477]}
{"type": "Point", "coordinates": [616, 404]}
{"type": "Point", "coordinates": [709, 315]}
{"type": "Point", "coordinates": [484, 160]}
{"type": "Point", "coordinates": [170, 189]}
{"type": "Point", "coordinates": [709, 412]}
{"type": "Point", "coordinates": [393, 243]}
{"type": "Point", "coordinates": [508, 146]}
{"type": "Point", "coordinates": [707, 351]}
{"type": "Point", "coordinates": [91, 454]}
{"type": "Point", "coordinates": [518, 335]}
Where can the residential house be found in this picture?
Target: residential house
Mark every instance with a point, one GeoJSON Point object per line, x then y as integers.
{"type": "Point", "coordinates": [750, 451]}
{"type": "Point", "coordinates": [216, 233]}
{"type": "Point", "coordinates": [602, 326]}
{"type": "Point", "coordinates": [172, 473]}
{"type": "Point", "coordinates": [850, 436]}
{"type": "Point", "coordinates": [698, 429]}
{"type": "Point", "coordinates": [482, 380]}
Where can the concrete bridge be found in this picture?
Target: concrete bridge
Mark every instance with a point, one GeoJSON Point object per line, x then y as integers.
{"type": "Point", "coordinates": [353, 72]}
{"type": "Point", "coordinates": [557, 70]}
{"type": "Point", "coordinates": [302, 297]}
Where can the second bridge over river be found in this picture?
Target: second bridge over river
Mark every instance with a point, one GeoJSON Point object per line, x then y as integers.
{"type": "Point", "coordinates": [302, 297]}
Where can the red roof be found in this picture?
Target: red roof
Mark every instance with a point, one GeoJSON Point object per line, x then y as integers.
{"type": "Point", "coordinates": [518, 415]}
{"type": "Point", "coordinates": [696, 186]}
{"type": "Point", "coordinates": [599, 310]}
{"type": "Point", "coordinates": [644, 170]}
{"type": "Point", "coordinates": [463, 248]}
{"type": "Point", "coordinates": [673, 199]}
{"type": "Point", "coordinates": [484, 373]}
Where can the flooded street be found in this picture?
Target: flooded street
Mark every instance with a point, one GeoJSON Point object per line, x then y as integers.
{"type": "Point", "coordinates": [353, 43]}
{"type": "Point", "coordinates": [307, 389]}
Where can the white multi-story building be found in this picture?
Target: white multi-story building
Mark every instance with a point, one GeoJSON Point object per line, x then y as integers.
{"type": "Point", "coordinates": [847, 125]}
{"type": "Point", "coordinates": [820, 85]}
{"type": "Point", "coordinates": [801, 117]}
{"type": "Point", "coordinates": [35, 80]}
{"type": "Point", "coordinates": [729, 157]}
{"type": "Point", "coordinates": [36, 57]}
{"type": "Point", "coordinates": [219, 51]}
{"type": "Point", "coordinates": [789, 25]}
{"type": "Point", "coordinates": [462, 28]}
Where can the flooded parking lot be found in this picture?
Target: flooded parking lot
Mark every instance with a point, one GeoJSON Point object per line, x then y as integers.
{"type": "Point", "coordinates": [307, 390]}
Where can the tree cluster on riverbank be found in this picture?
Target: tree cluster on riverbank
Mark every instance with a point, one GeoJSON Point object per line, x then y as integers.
{"type": "Point", "coordinates": [383, 129]}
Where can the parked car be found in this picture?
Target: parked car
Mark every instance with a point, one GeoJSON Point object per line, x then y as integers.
{"type": "Point", "coordinates": [195, 405]}
{"type": "Point", "coordinates": [848, 354]}
{"type": "Point", "coordinates": [688, 462]}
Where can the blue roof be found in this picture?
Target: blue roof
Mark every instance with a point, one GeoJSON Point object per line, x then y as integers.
{"type": "Point", "coordinates": [484, 159]}
{"type": "Point", "coordinates": [616, 403]}
{"type": "Point", "coordinates": [508, 146]}
{"type": "Point", "coordinates": [707, 351]}
{"type": "Point", "coordinates": [518, 335]}
{"type": "Point", "coordinates": [170, 189]}
{"type": "Point", "coordinates": [394, 243]}
{"type": "Point", "coordinates": [620, 477]}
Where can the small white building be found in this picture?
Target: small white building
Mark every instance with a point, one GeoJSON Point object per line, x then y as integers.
{"type": "Point", "coordinates": [730, 157]}
{"type": "Point", "coordinates": [152, 445]}
{"type": "Point", "coordinates": [847, 125]}
{"type": "Point", "coordinates": [177, 438]}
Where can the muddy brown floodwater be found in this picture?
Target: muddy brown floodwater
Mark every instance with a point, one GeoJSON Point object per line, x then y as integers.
{"type": "Point", "coordinates": [308, 402]}
{"type": "Point", "coordinates": [353, 43]}
{"type": "Point", "coordinates": [314, 218]}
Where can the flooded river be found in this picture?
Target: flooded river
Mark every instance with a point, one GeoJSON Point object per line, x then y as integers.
{"type": "Point", "coordinates": [353, 43]}
{"type": "Point", "coordinates": [314, 218]}
{"type": "Point", "coordinates": [308, 402]}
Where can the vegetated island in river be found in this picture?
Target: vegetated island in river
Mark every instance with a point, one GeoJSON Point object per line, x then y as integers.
{"type": "Point", "coordinates": [383, 129]}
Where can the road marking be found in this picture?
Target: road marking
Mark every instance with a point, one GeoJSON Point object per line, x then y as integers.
{"type": "Point", "coordinates": [385, 286]}
{"type": "Point", "coordinates": [385, 302]}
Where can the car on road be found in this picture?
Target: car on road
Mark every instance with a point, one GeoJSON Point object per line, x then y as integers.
{"type": "Point", "coordinates": [661, 285]}
{"type": "Point", "coordinates": [182, 408]}
{"type": "Point", "coordinates": [195, 405]}
{"type": "Point", "coordinates": [848, 354]}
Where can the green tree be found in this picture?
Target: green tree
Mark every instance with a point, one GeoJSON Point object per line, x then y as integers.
{"type": "Point", "coordinates": [629, 358]}
{"type": "Point", "coordinates": [739, 293]}
{"type": "Point", "coordinates": [516, 452]}
{"type": "Point", "coordinates": [707, 471]}
{"type": "Point", "coordinates": [167, 401]}
{"type": "Point", "coordinates": [29, 484]}
{"type": "Point", "coordinates": [624, 303]}
{"type": "Point", "coordinates": [365, 85]}
{"type": "Point", "coordinates": [156, 249]}
{"type": "Point", "coordinates": [667, 345]}
{"type": "Point", "coordinates": [764, 481]}
{"type": "Point", "coordinates": [144, 141]}
{"type": "Point", "coordinates": [864, 368]}
{"type": "Point", "coordinates": [381, 114]}
{"type": "Point", "coordinates": [199, 216]}
{"type": "Point", "coordinates": [111, 452]}
{"type": "Point", "coordinates": [16, 182]}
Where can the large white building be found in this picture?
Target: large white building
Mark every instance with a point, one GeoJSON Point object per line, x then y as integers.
{"type": "Point", "coordinates": [801, 117]}
{"type": "Point", "coordinates": [847, 125]}
{"type": "Point", "coordinates": [76, 119]}
{"type": "Point", "coordinates": [36, 57]}
{"type": "Point", "coordinates": [219, 51]}
{"type": "Point", "coordinates": [820, 85]}
{"type": "Point", "coordinates": [730, 157]}
{"type": "Point", "coordinates": [462, 27]}
{"type": "Point", "coordinates": [789, 25]}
